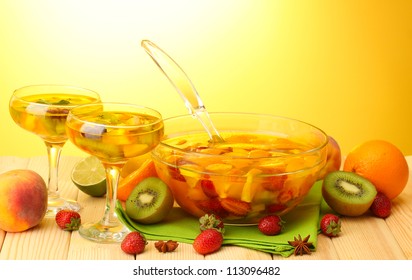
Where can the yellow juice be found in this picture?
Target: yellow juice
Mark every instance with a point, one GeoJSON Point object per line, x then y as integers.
{"type": "Point", "coordinates": [115, 137]}
{"type": "Point", "coordinates": [45, 114]}
{"type": "Point", "coordinates": [246, 177]}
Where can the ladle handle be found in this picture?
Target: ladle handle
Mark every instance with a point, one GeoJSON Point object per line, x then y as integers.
{"type": "Point", "coordinates": [183, 86]}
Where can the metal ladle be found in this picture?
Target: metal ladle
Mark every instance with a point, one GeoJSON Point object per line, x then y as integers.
{"type": "Point", "coordinates": [184, 87]}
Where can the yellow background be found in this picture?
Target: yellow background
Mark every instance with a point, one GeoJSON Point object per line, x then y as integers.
{"type": "Point", "coordinates": [344, 66]}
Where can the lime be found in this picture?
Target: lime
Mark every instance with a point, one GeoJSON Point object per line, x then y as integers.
{"type": "Point", "coordinates": [89, 176]}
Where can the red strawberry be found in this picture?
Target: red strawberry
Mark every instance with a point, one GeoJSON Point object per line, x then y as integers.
{"type": "Point", "coordinates": [208, 241]}
{"type": "Point", "coordinates": [271, 225]}
{"type": "Point", "coordinates": [330, 225]}
{"type": "Point", "coordinates": [211, 221]}
{"type": "Point", "coordinates": [212, 206]}
{"type": "Point", "coordinates": [275, 182]}
{"type": "Point", "coordinates": [236, 207]}
{"type": "Point", "coordinates": [208, 188]}
{"type": "Point", "coordinates": [285, 196]}
{"type": "Point", "coordinates": [68, 219]}
{"type": "Point", "coordinates": [133, 243]}
{"type": "Point", "coordinates": [381, 206]}
{"type": "Point", "coordinates": [175, 174]}
{"type": "Point", "coordinates": [274, 208]}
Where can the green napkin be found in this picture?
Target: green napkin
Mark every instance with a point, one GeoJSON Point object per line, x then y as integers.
{"type": "Point", "coordinates": [182, 227]}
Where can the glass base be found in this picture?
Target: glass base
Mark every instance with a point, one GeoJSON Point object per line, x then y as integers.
{"type": "Point", "coordinates": [103, 233]}
{"type": "Point", "coordinates": [57, 204]}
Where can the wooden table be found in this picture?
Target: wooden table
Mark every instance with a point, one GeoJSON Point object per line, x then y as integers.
{"type": "Point", "coordinates": [362, 238]}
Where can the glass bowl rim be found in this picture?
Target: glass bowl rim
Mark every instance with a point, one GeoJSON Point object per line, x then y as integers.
{"type": "Point", "coordinates": [306, 152]}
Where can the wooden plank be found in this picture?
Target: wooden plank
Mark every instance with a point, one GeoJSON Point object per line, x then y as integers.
{"type": "Point", "coordinates": [92, 209]}
{"type": "Point", "coordinates": [83, 249]}
{"type": "Point", "coordinates": [183, 252]}
{"type": "Point", "coordinates": [10, 163]}
{"type": "Point", "coordinates": [366, 237]}
{"type": "Point", "coordinates": [400, 219]}
{"type": "Point", "coordinates": [43, 242]}
{"type": "Point", "coordinates": [2, 237]}
{"type": "Point", "coordinates": [238, 253]}
{"type": "Point", "coordinates": [362, 238]}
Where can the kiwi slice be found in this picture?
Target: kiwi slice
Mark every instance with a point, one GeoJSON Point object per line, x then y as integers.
{"type": "Point", "coordinates": [348, 193]}
{"type": "Point", "coordinates": [150, 201]}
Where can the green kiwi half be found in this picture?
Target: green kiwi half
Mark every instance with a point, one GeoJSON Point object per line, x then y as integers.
{"type": "Point", "coordinates": [348, 193]}
{"type": "Point", "coordinates": [150, 201]}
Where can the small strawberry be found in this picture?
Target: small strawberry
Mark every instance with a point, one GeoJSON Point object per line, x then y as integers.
{"type": "Point", "coordinates": [211, 221]}
{"type": "Point", "coordinates": [271, 225]}
{"type": "Point", "coordinates": [134, 243]}
{"type": "Point", "coordinates": [68, 219]}
{"type": "Point", "coordinates": [330, 225]}
{"type": "Point", "coordinates": [208, 241]}
{"type": "Point", "coordinates": [381, 206]}
{"type": "Point", "coordinates": [236, 207]}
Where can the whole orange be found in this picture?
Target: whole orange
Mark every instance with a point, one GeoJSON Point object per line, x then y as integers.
{"type": "Point", "coordinates": [382, 163]}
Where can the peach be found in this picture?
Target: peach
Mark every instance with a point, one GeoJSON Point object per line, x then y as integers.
{"type": "Point", "coordinates": [23, 200]}
{"type": "Point", "coordinates": [334, 158]}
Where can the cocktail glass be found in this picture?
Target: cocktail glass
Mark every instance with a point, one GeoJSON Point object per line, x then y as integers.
{"type": "Point", "coordinates": [114, 133]}
{"type": "Point", "coordinates": [42, 110]}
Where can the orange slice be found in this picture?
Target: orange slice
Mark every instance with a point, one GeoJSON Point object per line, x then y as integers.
{"type": "Point", "coordinates": [127, 184]}
{"type": "Point", "coordinates": [133, 164]}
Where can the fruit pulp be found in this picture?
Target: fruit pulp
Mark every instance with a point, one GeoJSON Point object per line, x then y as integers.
{"type": "Point", "coordinates": [248, 176]}
{"type": "Point", "coordinates": [45, 114]}
{"type": "Point", "coordinates": [115, 137]}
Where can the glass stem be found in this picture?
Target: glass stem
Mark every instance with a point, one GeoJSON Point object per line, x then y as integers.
{"type": "Point", "coordinates": [112, 179]}
{"type": "Point", "coordinates": [53, 153]}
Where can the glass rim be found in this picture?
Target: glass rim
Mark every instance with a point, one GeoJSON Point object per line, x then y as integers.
{"type": "Point", "coordinates": [20, 92]}
{"type": "Point", "coordinates": [72, 114]}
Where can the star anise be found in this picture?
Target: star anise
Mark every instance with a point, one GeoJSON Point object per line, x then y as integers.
{"type": "Point", "coordinates": [301, 246]}
{"type": "Point", "coordinates": [166, 246]}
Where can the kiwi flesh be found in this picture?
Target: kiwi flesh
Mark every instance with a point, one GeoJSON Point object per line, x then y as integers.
{"type": "Point", "coordinates": [150, 201]}
{"type": "Point", "coordinates": [348, 193]}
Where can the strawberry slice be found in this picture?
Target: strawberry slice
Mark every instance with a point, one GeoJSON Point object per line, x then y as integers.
{"type": "Point", "coordinates": [275, 208]}
{"type": "Point", "coordinates": [208, 188]}
{"type": "Point", "coordinates": [212, 206]}
{"type": "Point", "coordinates": [275, 182]}
{"type": "Point", "coordinates": [236, 207]}
{"type": "Point", "coordinates": [175, 174]}
{"type": "Point", "coordinates": [285, 196]}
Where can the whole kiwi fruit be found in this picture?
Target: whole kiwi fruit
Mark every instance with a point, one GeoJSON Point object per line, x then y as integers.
{"type": "Point", "coordinates": [150, 201]}
{"type": "Point", "coordinates": [348, 193]}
